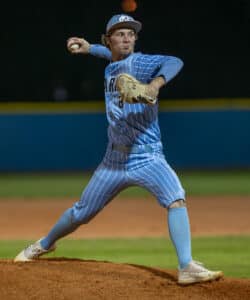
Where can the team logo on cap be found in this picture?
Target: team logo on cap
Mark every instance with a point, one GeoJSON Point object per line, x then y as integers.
{"type": "Point", "coordinates": [125, 18]}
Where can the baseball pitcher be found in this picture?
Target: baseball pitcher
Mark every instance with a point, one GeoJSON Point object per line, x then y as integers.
{"type": "Point", "coordinates": [134, 154]}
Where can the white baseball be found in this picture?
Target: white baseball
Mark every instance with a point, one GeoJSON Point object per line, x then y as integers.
{"type": "Point", "coordinates": [74, 46]}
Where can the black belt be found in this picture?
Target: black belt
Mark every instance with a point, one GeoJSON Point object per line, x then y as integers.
{"type": "Point", "coordinates": [133, 149]}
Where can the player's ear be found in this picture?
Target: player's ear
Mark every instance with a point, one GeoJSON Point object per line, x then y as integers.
{"type": "Point", "coordinates": [105, 40]}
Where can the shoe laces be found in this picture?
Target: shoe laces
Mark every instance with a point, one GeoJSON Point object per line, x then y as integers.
{"type": "Point", "coordinates": [199, 266]}
{"type": "Point", "coordinates": [198, 263]}
{"type": "Point", "coordinates": [34, 249]}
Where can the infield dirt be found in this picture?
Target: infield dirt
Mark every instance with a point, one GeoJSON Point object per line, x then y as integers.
{"type": "Point", "coordinates": [77, 279]}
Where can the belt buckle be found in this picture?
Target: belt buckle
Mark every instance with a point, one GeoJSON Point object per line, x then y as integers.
{"type": "Point", "coordinates": [134, 149]}
{"type": "Point", "coordinates": [121, 148]}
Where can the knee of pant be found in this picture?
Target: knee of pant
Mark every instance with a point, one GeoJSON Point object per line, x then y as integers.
{"type": "Point", "coordinates": [177, 203]}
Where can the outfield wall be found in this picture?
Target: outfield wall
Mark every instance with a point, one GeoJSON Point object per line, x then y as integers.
{"type": "Point", "coordinates": [65, 137]}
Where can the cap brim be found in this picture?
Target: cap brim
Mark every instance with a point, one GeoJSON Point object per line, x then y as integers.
{"type": "Point", "coordinates": [127, 24]}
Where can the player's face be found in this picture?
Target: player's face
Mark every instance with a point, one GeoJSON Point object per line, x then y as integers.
{"type": "Point", "coordinates": [122, 43]}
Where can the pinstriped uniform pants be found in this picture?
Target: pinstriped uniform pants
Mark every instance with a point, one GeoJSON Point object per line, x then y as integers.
{"type": "Point", "coordinates": [119, 171]}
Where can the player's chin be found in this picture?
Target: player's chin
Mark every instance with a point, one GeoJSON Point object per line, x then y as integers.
{"type": "Point", "coordinates": [126, 52]}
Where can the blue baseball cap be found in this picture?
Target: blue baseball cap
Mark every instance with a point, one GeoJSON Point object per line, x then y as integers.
{"type": "Point", "coordinates": [123, 21]}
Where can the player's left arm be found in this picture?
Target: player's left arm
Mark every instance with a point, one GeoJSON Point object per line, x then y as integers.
{"type": "Point", "coordinates": [155, 71]}
{"type": "Point", "coordinates": [153, 88]}
{"type": "Point", "coordinates": [170, 66]}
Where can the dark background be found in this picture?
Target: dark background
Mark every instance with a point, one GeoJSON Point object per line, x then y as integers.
{"type": "Point", "coordinates": [212, 37]}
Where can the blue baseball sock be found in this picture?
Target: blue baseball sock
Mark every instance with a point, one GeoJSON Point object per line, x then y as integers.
{"type": "Point", "coordinates": [63, 227]}
{"type": "Point", "coordinates": [179, 230]}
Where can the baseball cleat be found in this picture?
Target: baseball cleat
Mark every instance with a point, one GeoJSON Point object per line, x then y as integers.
{"type": "Point", "coordinates": [33, 252]}
{"type": "Point", "coordinates": [196, 272]}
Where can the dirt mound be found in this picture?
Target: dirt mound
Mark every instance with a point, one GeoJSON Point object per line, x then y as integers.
{"type": "Point", "coordinates": [77, 279]}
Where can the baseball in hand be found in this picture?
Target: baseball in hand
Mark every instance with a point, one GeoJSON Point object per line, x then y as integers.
{"type": "Point", "coordinates": [75, 46]}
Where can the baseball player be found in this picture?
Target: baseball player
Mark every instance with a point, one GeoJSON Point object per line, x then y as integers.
{"type": "Point", "coordinates": [134, 154]}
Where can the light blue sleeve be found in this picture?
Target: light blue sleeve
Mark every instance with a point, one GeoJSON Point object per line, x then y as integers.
{"type": "Point", "coordinates": [100, 51]}
{"type": "Point", "coordinates": [170, 67]}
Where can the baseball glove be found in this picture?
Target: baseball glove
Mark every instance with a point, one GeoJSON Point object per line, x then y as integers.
{"type": "Point", "coordinates": [133, 91]}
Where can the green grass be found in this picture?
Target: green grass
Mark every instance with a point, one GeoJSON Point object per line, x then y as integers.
{"type": "Point", "coordinates": [230, 254]}
{"type": "Point", "coordinates": [71, 185]}
{"type": "Point", "coordinates": [217, 183]}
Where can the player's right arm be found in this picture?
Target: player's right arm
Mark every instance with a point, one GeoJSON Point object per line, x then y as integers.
{"type": "Point", "coordinates": [86, 48]}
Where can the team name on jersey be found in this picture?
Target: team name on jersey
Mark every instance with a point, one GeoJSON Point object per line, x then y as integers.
{"type": "Point", "coordinates": [109, 85]}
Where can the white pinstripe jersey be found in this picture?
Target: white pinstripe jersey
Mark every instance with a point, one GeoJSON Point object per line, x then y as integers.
{"type": "Point", "coordinates": [131, 124]}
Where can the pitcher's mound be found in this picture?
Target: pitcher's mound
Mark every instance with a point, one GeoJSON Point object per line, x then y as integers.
{"type": "Point", "coordinates": [78, 279]}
